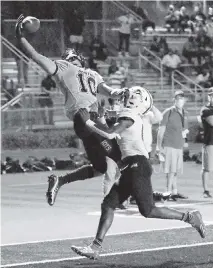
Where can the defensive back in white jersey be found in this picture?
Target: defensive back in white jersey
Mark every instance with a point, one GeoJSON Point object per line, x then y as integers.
{"type": "Point", "coordinates": [79, 86]}
{"type": "Point", "coordinates": [130, 141]}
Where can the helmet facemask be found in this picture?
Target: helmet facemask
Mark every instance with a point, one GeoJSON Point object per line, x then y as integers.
{"type": "Point", "coordinates": [138, 98]}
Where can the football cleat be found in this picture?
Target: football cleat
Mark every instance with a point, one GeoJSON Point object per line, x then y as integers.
{"type": "Point", "coordinates": [195, 219]}
{"type": "Point", "coordinates": [206, 194]}
{"type": "Point", "coordinates": [86, 251]}
{"type": "Point", "coordinates": [53, 188]}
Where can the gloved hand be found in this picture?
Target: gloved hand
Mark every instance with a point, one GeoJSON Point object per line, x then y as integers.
{"type": "Point", "coordinates": [18, 27]}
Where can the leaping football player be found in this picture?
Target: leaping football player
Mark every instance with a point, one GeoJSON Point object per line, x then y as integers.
{"type": "Point", "coordinates": [135, 177]}
{"type": "Point", "coordinates": [79, 86]}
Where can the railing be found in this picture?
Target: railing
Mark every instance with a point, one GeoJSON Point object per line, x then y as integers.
{"type": "Point", "coordinates": [12, 102]}
{"type": "Point", "coordinates": [157, 65]}
{"type": "Point", "coordinates": [193, 91]}
{"type": "Point", "coordinates": [38, 71]}
{"type": "Point", "coordinates": [50, 36]}
{"type": "Point", "coordinates": [126, 9]}
{"type": "Point", "coordinates": [28, 118]}
{"type": "Point", "coordinates": [29, 111]}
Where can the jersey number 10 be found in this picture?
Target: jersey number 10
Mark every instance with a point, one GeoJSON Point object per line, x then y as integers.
{"type": "Point", "coordinates": [87, 83]}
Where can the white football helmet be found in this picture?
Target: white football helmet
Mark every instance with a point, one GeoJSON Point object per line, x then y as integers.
{"type": "Point", "coordinates": [138, 98]}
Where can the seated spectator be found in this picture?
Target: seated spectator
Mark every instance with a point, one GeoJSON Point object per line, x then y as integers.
{"type": "Point", "coordinates": [45, 100]}
{"type": "Point", "coordinates": [147, 22]}
{"type": "Point", "coordinates": [171, 62]}
{"type": "Point", "coordinates": [91, 62]}
{"type": "Point", "coordinates": [204, 46]}
{"type": "Point", "coordinates": [211, 78]}
{"type": "Point", "coordinates": [154, 46]}
{"type": "Point", "coordinates": [183, 19]}
{"type": "Point", "coordinates": [197, 18]}
{"type": "Point", "coordinates": [163, 46]}
{"type": "Point", "coordinates": [171, 19]}
{"type": "Point", "coordinates": [99, 49]}
{"type": "Point", "coordinates": [208, 64]}
{"type": "Point", "coordinates": [113, 67]}
{"type": "Point", "coordinates": [210, 14]}
{"type": "Point", "coordinates": [190, 49]}
{"type": "Point", "coordinates": [202, 78]}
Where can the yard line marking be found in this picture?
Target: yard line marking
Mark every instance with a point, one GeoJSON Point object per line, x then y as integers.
{"type": "Point", "coordinates": [110, 254]}
{"type": "Point", "coordinates": [110, 234]}
{"type": "Point", "coordinates": [28, 184]}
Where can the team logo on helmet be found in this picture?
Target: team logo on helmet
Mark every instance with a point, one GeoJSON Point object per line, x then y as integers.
{"type": "Point", "coordinates": [138, 98]}
{"type": "Point", "coordinates": [71, 55]}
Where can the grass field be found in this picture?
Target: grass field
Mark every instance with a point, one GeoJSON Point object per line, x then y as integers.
{"type": "Point", "coordinates": [37, 235]}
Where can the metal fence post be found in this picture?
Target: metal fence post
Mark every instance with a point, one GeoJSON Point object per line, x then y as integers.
{"type": "Point", "coordinates": [173, 84]}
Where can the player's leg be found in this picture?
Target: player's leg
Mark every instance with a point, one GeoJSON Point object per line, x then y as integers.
{"type": "Point", "coordinates": [110, 176]}
{"type": "Point", "coordinates": [143, 193]}
{"type": "Point", "coordinates": [119, 192]}
{"type": "Point", "coordinates": [97, 148]}
{"type": "Point", "coordinates": [97, 167]}
{"type": "Point", "coordinates": [207, 160]}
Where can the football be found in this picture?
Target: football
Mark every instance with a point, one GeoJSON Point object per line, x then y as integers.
{"type": "Point", "coordinates": [30, 24]}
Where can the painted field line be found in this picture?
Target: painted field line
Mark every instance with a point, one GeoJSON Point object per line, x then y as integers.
{"type": "Point", "coordinates": [92, 236]}
{"type": "Point", "coordinates": [27, 184]}
{"type": "Point", "coordinates": [111, 254]}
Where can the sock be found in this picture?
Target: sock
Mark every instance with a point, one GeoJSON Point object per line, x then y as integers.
{"type": "Point", "coordinates": [82, 173]}
{"type": "Point", "coordinates": [186, 217]}
{"type": "Point", "coordinates": [97, 243]}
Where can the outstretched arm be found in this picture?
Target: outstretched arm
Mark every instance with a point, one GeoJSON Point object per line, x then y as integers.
{"type": "Point", "coordinates": [48, 65]}
{"type": "Point", "coordinates": [106, 90]}
{"type": "Point", "coordinates": [111, 132]}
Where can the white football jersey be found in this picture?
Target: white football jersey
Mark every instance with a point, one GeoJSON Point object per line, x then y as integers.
{"type": "Point", "coordinates": [78, 85]}
{"type": "Point", "coordinates": [131, 142]}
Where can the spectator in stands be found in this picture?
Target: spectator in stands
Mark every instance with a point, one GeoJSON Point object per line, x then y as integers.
{"type": "Point", "coordinates": [170, 141]}
{"type": "Point", "coordinates": [163, 46]}
{"type": "Point", "coordinates": [208, 64]}
{"type": "Point", "coordinates": [207, 150]}
{"type": "Point", "coordinates": [202, 78]}
{"type": "Point", "coordinates": [147, 22]}
{"type": "Point", "coordinates": [204, 46]}
{"type": "Point", "coordinates": [124, 31]}
{"type": "Point", "coordinates": [171, 62]}
{"type": "Point", "coordinates": [197, 18]}
{"type": "Point", "coordinates": [183, 19]}
{"type": "Point", "coordinates": [75, 25]}
{"type": "Point", "coordinates": [113, 67]}
{"type": "Point", "coordinates": [190, 49]}
{"type": "Point", "coordinates": [154, 46]}
{"type": "Point", "coordinates": [210, 14]}
{"type": "Point", "coordinates": [45, 99]}
{"type": "Point", "coordinates": [211, 77]}
{"type": "Point", "coordinates": [172, 19]}
{"type": "Point", "coordinates": [99, 49]}
{"type": "Point", "coordinates": [91, 62]}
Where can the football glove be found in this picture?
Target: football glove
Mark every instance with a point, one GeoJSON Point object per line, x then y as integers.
{"type": "Point", "coordinates": [18, 27]}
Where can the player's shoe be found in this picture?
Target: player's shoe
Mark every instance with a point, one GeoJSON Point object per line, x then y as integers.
{"type": "Point", "coordinates": [53, 188]}
{"type": "Point", "coordinates": [195, 219]}
{"type": "Point", "coordinates": [87, 251]}
{"type": "Point", "coordinates": [206, 194]}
